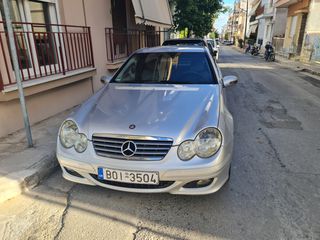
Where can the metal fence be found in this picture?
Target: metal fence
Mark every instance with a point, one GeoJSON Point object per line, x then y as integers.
{"type": "Point", "coordinates": [44, 50]}
{"type": "Point", "coordinates": [121, 43]}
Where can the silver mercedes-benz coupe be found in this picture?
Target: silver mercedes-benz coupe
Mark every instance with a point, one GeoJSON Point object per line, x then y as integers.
{"type": "Point", "coordinates": [160, 124]}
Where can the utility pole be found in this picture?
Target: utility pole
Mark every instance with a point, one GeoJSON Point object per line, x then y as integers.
{"type": "Point", "coordinates": [16, 68]}
{"type": "Point", "coordinates": [232, 24]}
{"type": "Point", "coordinates": [245, 25]}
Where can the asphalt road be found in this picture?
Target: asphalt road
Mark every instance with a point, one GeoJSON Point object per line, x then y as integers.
{"type": "Point", "coordinates": [274, 192]}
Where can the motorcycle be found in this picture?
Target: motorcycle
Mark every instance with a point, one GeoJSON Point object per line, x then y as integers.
{"type": "Point", "coordinates": [269, 55]}
{"type": "Point", "coordinates": [255, 51]}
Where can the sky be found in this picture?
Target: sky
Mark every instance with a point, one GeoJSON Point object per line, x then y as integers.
{"type": "Point", "coordinates": [223, 18]}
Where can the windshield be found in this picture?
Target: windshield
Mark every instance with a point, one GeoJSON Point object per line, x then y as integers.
{"type": "Point", "coordinates": [170, 68]}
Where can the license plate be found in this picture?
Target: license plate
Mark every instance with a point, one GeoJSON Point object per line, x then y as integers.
{"type": "Point", "coordinates": [128, 176]}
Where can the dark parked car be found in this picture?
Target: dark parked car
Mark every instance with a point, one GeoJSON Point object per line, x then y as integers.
{"type": "Point", "coordinates": [185, 41]}
{"type": "Point", "coordinates": [192, 42]}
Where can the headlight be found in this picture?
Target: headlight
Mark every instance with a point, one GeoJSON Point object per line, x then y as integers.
{"type": "Point", "coordinates": [205, 145]}
{"type": "Point", "coordinates": [208, 142]}
{"type": "Point", "coordinates": [81, 143]}
{"type": "Point", "coordinates": [186, 150]}
{"type": "Point", "coordinates": [70, 137]}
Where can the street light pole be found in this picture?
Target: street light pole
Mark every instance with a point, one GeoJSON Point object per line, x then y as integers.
{"type": "Point", "coordinates": [16, 68]}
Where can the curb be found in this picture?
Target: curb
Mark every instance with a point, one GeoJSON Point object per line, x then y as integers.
{"type": "Point", "coordinates": [310, 71]}
{"type": "Point", "coordinates": [17, 183]}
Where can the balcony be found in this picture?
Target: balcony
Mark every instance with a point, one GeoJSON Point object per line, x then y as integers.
{"type": "Point", "coordinates": [44, 50]}
{"type": "Point", "coordinates": [121, 43]}
{"type": "Point", "coordinates": [284, 3]}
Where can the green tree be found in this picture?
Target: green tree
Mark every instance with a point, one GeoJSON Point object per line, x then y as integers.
{"type": "Point", "coordinates": [196, 15]}
{"type": "Point", "coordinates": [214, 34]}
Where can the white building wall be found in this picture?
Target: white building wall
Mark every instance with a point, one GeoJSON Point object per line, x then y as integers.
{"type": "Point", "coordinates": [267, 37]}
{"type": "Point", "coordinates": [261, 29]}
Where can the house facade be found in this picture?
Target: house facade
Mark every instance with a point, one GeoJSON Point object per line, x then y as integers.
{"type": "Point", "coordinates": [301, 40]}
{"type": "Point", "coordinates": [253, 29]}
{"type": "Point", "coordinates": [295, 25]}
{"type": "Point", "coordinates": [266, 21]}
{"type": "Point", "coordinates": [65, 46]}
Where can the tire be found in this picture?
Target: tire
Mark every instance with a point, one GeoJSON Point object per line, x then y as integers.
{"type": "Point", "coordinates": [229, 174]}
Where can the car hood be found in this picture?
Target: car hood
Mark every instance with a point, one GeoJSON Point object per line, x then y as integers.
{"type": "Point", "coordinates": [175, 111]}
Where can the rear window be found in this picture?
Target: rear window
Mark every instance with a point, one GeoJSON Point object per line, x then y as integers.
{"type": "Point", "coordinates": [167, 68]}
{"type": "Point", "coordinates": [213, 43]}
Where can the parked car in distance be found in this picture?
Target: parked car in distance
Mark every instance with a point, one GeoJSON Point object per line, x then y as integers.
{"type": "Point", "coordinates": [192, 42]}
{"type": "Point", "coordinates": [227, 42]}
{"type": "Point", "coordinates": [215, 47]}
{"type": "Point", "coordinates": [160, 124]}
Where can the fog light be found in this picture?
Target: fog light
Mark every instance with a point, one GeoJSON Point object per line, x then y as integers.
{"type": "Point", "coordinates": [199, 183]}
{"type": "Point", "coordinates": [73, 172]}
{"type": "Point", "coordinates": [205, 182]}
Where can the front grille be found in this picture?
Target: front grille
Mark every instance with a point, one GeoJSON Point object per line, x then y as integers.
{"type": "Point", "coordinates": [162, 184]}
{"type": "Point", "coordinates": [148, 148]}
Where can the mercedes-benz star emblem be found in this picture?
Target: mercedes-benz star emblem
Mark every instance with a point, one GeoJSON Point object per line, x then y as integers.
{"type": "Point", "coordinates": [128, 148]}
{"type": "Point", "coordinates": [132, 126]}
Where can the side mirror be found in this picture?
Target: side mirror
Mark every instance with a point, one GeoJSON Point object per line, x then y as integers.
{"type": "Point", "coordinates": [105, 79]}
{"type": "Point", "coordinates": [229, 80]}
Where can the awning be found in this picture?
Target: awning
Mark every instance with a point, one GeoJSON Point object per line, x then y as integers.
{"type": "Point", "coordinates": [153, 12]}
{"type": "Point", "coordinates": [254, 8]}
{"type": "Point", "coordinates": [252, 29]}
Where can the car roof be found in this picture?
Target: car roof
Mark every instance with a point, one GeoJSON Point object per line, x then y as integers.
{"type": "Point", "coordinates": [172, 49]}
{"type": "Point", "coordinates": [184, 39]}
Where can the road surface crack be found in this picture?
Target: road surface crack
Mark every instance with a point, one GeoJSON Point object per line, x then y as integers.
{"type": "Point", "coordinates": [275, 151]}
{"type": "Point", "coordinates": [65, 212]}
{"type": "Point", "coordinates": [139, 229]}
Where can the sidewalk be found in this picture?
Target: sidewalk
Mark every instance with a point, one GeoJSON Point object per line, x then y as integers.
{"type": "Point", "coordinates": [312, 68]}
{"type": "Point", "coordinates": [22, 168]}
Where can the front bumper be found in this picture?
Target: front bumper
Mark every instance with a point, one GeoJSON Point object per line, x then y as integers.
{"type": "Point", "coordinates": [174, 174]}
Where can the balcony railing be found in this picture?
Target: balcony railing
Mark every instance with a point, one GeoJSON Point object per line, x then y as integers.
{"type": "Point", "coordinates": [121, 43]}
{"type": "Point", "coordinates": [44, 50]}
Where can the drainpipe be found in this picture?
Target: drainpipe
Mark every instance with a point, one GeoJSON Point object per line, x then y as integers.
{"type": "Point", "coordinates": [15, 63]}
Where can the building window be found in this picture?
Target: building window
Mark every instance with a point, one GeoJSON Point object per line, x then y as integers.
{"type": "Point", "coordinates": [33, 41]}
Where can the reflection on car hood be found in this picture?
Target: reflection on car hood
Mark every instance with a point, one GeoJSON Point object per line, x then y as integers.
{"type": "Point", "coordinates": [175, 111]}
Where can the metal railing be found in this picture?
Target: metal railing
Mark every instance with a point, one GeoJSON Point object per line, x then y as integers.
{"type": "Point", "coordinates": [121, 43]}
{"type": "Point", "coordinates": [44, 50]}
